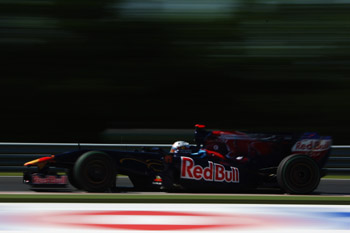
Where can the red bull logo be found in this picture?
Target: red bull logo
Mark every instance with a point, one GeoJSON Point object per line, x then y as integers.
{"type": "Point", "coordinates": [311, 145]}
{"type": "Point", "coordinates": [214, 172]}
{"type": "Point", "coordinates": [49, 180]}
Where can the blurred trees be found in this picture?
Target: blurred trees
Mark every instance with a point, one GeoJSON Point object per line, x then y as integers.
{"type": "Point", "coordinates": [72, 68]}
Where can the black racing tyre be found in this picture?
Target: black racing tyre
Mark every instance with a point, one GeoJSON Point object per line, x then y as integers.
{"type": "Point", "coordinates": [95, 171]}
{"type": "Point", "coordinates": [298, 174]}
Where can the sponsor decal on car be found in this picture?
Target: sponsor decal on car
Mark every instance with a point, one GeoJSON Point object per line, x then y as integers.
{"type": "Point", "coordinates": [213, 172]}
{"type": "Point", "coordinates": [36, 179]}
{"type": "Point", "coordinates": [311, 145]}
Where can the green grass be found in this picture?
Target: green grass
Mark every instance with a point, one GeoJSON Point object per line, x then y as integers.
{"type": "Point", "coordinates": [171, 198]}
{"type": "Point", "coordinates": [11, 173]}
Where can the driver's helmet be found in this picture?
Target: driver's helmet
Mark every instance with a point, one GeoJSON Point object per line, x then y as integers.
{"type": "Point", "coordinates": [180, 147]}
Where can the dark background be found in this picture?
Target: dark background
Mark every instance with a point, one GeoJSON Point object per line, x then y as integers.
{"type": "Point", "coordinates": [70, 69]}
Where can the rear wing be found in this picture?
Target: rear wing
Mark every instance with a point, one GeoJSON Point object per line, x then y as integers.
{"type": "Point", "coordinates": [316, 146]}
{"type": "Point", "coordinates": [236, 143]}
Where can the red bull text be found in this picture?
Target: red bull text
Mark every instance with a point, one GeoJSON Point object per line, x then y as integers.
{"type": "Point", "coordinates": [214, 172]}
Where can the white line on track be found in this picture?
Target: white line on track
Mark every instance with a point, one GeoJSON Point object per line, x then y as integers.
{"type": "Point", "coordinates": [161, 218]}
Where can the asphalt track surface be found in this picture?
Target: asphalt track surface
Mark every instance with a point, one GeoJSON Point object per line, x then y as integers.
{"type": "Point", "coordinates": [327, 187]}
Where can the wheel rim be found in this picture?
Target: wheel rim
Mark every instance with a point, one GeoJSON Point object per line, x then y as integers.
{"type": "Point", "coordinates": [96, 172]}
{"type": "Point", "coordinates": [301, 175]}
{"type": "Point", "coordinates": [298, 174]}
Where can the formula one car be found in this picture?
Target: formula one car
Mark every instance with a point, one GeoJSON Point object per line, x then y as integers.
{"type": "Point", "coordinates": [229, 161]}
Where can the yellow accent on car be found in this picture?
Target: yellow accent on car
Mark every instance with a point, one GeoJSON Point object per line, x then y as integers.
{"type": "Point", "coordinates": [33, 162]}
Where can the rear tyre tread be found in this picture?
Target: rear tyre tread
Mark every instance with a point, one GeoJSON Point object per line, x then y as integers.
{"type": "Point", "coordinates": [298, 174]}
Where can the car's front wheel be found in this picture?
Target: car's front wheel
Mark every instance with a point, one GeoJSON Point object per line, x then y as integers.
{"type": "Point", "coordinates": [95, 171]}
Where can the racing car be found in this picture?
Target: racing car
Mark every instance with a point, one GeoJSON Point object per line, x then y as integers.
{"type": "Point", "coordinates": [229, 161]}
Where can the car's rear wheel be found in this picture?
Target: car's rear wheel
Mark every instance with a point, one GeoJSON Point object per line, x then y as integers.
{"type": "Point", "coordinates": [95, 171]}
{"type": "Point", "coordinates": [298, 174]}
